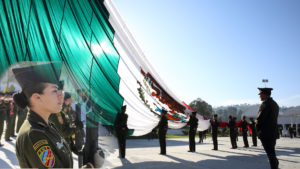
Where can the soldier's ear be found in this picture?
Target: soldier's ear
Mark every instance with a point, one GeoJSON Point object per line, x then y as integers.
{"type": "Point", "coordinates": [36, 97]}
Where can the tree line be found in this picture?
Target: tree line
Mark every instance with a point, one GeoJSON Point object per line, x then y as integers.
{"type": "Point", "coordinates": [206, 110]}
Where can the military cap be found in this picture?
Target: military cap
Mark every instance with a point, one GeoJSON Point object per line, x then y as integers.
{"type": "Point", "coordinates": [67, 96]}
{"type": "Point", "coordinates": [265, 90]}
{"type": "Point", "coordinates": [44, 73]}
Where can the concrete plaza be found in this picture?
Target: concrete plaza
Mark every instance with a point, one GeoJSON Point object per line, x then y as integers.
{"type": "Point", "coordinates": [144, 154]}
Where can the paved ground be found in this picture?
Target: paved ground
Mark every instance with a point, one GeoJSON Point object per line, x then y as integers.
{"type": "Point", "coordinates": [144, 154]}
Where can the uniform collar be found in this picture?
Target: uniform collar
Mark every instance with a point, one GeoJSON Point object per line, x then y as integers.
{"type": "Point", "coordinates": [33, 117]}
{"type": "Point", "coordinates": [268, 99]}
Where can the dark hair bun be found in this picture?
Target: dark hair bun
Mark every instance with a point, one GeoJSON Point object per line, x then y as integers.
{"type": "Point", "coordinates": [21, 100]}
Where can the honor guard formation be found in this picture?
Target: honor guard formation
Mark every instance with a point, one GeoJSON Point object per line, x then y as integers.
{"type": "Point", "coordinates": [50, 126]}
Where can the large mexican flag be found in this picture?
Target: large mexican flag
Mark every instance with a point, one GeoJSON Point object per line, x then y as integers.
{"type": "Point", "coordinates": [98, 54]}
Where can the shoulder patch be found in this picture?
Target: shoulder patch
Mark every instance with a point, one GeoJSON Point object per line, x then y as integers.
{"type": "Point", "coordinates": [46, 156]}
{"type": "Point", "coordinates": [39, 144]}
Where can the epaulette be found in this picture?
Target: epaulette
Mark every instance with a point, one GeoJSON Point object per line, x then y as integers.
{"type": "Point", "coordinates": [37, 126]}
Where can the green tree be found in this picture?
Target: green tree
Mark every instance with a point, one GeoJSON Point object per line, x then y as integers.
{"type": "Point", "coordinates": [202, 107]}
{"type": "Point", "coordinates": [224, 112]}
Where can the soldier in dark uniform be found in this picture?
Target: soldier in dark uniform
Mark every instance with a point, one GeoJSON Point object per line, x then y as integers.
{"type": "Point", "coordinates": [62, 123]}
{"type": "Point", "coordinates": [236, 130]}
{"type": "Point", "coordinates": [291, 131]}
{"type": "Point", "coordinates": [13, 120]}
{"type": "Point", "coordinates": [193, 122]}
{"type": "Point", "coordinates": [297, 129]}
{"type": "Point", "coordinates": [266, 125]}
{"type": "Point", "coordinates": [204, 134]}
{"type": "Point", "coordinates": [214, 131]}
{"type": "Point", "coordinates": [68, 110]}
{"type": "Point", "coordinates": [39, 144]}
{"type": "Point", "coordinates": [294, 131]}
{"type": "Point", "coordinates": [244, 126]}
{"type": "Point", "coordinates": [91, 147]}
{"type": "Point", "coordinates": [9, 116]}
{"type": "Point", "coordinates": [232, 126]}
{"type": "Point", "coordinates": [121, 130]}
{"type": "Point", "coordinates": [2, 115]}
{"type": "Point", "coordinates": [22, 113]}
{"type": "Point", "coordinates": [280, 128]}
{"type": "Point", "coordinates": [254, 135]}
{"type": "Point", "coordinates": [162, 131]}
{"type": "Point", "coordinates": [80, 135]}
{"type": "Point", "coordinates": [201, 135]}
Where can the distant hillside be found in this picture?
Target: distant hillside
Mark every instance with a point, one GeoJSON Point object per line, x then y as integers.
{"type": "Point", "coordinates": [249, 110]}
{"type": "Point", "coordinates": [291, 110]}
{"type": "Point", "coordinates": [241, 107]}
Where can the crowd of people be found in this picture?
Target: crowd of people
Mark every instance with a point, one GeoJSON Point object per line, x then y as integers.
{"type": "Point", "coordinates": [9, 113]}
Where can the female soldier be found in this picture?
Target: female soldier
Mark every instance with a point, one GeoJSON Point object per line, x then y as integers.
{"type": "Point", "coordinates": [38, 143]}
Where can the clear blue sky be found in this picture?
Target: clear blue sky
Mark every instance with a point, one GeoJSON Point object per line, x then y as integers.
{"type": "Point", "coordinates": [220, 50]}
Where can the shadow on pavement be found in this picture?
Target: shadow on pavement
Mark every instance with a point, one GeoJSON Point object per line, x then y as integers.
{"type": "Point", "coordinates": [4, 164]}
{"type": "Point", "coordinates": [227, 162]}
{"type": "Point", "coordinates": [290, 152]}
{"type": "Point", "coordinates": [140, 143]}
{"type": "Point", "coordinates": [155, 165]}
{"type": "Point", "coordinates": [10, 155]}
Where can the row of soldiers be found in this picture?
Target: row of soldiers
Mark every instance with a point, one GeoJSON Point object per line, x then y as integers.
{"type": "Point", "coordinates": [193, 124]}
{"type": "Point", "coordinates": [9, 112]}
{"type": "Point", "coordinates": [233, 131]}
{"type": "Point", "coordinates": [122, 129]}
{"type": "Point", "coordinates": [266, 128]}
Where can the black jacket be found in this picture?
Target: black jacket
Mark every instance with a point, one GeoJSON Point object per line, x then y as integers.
{"type": "Point", "coordinates": [266, 126]}
{"type": "Point", "coordinates": [121, 121]}
{"type": "Point", "coordinates": [231, 125]}
{"type": "Point", "coordinates": [244, 125]}
{"type": "Point", "coordinates": [214, 126]}
{"type": "Point", "coordinates": [193, 122]}
{"type": "Point", "coordinates": [163, 123]}
{"type": "Point", "coordinates": [252, 126]}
